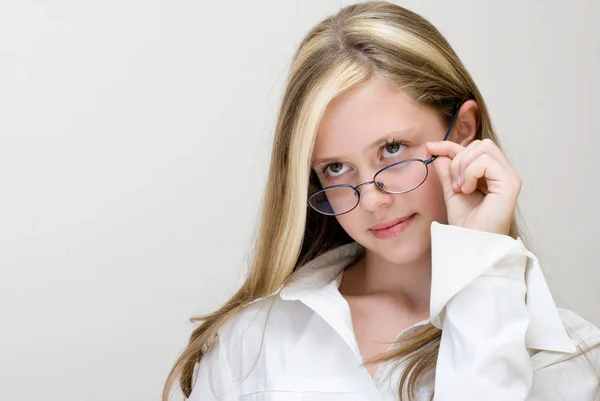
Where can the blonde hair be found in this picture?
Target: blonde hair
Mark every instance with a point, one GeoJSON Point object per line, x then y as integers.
{"type": "Point", "coordinates": [360, 41]}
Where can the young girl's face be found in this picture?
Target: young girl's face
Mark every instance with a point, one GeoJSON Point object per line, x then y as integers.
{"type": "Point", "coordinates": [363, 130]}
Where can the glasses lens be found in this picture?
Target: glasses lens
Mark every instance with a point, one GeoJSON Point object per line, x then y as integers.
{"type": "Point", "coordinates": [402, 177]}
{"type": "Point", "coordinates": [333, 201]}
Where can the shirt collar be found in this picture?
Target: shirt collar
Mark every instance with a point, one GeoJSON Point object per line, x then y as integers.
{"type": "Point", "coordinates": [546, 332]}
{"type": "Point", "coordinates": [317, 283]}
{"type": "Point", "coordinates": [320, 271]}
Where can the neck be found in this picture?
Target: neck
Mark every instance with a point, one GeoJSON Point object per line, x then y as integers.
{"type": "Point", "coordinates": [408, 283]}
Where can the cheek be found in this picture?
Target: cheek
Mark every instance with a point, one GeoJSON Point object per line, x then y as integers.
{"type": "Point", "coordinates": [430, 198]}
{"type": "Point", "coordinates": [349, 223]}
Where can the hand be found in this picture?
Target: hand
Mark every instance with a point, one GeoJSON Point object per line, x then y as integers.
{"type": "Point", "coordinates": [480, 186]}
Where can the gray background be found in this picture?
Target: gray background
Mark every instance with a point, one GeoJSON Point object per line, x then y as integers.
{"type": "Point", "coordinates": [134, 143]}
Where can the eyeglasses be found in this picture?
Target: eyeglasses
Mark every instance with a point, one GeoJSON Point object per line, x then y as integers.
{"type": "Point", "coordinates": [397, 178]}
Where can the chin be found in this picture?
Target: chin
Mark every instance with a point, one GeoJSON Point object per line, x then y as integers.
{"type": "Point", "coordinates": [403, 252]}
{"type": "Point", "coordinates": [410, 246]}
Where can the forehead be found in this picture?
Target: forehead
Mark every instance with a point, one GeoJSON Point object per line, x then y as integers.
{"type": "Point", "coordinates": [369, 112]}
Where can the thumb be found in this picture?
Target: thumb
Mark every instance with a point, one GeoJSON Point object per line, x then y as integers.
{"type": "Point", "coordinates": [442, 168]}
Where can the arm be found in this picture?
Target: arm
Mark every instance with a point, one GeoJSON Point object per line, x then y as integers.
{"type": "Point", "coordinates": [488, 293]}
{"type": "Point", "coordinates": [481, 302]}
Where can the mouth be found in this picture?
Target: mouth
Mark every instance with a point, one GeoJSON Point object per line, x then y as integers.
{"type": "Point", "coordinates": [392, 228]}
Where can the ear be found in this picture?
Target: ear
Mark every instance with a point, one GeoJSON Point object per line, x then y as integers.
{"type": "Point", "coordinates": [467, 123]}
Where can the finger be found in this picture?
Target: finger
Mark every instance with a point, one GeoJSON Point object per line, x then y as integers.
{"type": "Point", "coordinates": [484, 146]}
{"type": "Point", "coordinates": [458, 165]}
{"type": "Point", "coordinates": [442, 168]}
{"type": "Point", "coordinates": [474, 151]}
{"type": "Point", "coordinates": [444, 148]}
{"type": "Point", "coordinates": [492, 148]}
{"type": "Point", "coordinates": [488, 168]}
{"type": "Point", "coordinates": [449, 150]}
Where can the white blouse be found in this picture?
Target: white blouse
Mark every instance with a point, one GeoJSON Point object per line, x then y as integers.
{"type": "Point", "coordinates": [502, 336]}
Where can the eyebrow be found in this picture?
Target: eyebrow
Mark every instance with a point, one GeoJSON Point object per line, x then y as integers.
{"type": "Point", "coordinates": [375, 144]}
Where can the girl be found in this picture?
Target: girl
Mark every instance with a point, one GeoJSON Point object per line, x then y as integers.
{"type": "Point", "coordinates": [388, 264]}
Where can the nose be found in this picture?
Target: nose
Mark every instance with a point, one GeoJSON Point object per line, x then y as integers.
{"type": "Point", "coordinates": [372, 198]}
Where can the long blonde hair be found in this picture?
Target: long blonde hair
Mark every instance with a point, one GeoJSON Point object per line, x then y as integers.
{"type": "Point", "coordinates": [361, 40]}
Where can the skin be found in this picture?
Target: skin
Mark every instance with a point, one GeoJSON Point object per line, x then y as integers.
{"type": "Point", "coordinates": [470, 184]}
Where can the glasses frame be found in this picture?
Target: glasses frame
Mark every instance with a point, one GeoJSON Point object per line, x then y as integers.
{"type": "Point", "coordinates": [380, 185]}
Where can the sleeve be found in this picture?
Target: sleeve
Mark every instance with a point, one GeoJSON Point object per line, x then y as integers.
{"type": "Point", "coordinates": [491, 301]}
{"type": "Point", "coordinates": [213, 379]}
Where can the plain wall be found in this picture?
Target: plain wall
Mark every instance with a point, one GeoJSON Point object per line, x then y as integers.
{"type": "Point", "coordinates": [134, 144]}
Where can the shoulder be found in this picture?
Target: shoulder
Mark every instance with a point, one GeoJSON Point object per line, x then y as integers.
{"type": "Point", "coordinates": [270, 312]}
{"type": "Point", "coordinates": [264, 327]}
{"type": "Point", "coordinates": [584, 335]}
{"type": "Point", "coordinates": [578, 328]}
{"type": "Point", "coordinates": [572, 376]}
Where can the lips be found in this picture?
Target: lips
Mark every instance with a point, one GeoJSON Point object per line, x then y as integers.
{"type": "Point", "coordinates": [390, 223]}
{"type": "Point", "coordinates": [392, 228]}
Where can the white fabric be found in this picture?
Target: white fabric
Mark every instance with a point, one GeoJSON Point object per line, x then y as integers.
{"type": "Point", "coordinates": [502, 336]}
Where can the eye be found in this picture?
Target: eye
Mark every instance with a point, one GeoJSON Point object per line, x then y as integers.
{"type": "Point", "coordinates": [335, 169]}
{"type": "Point", "coordinates": [393, 149]}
